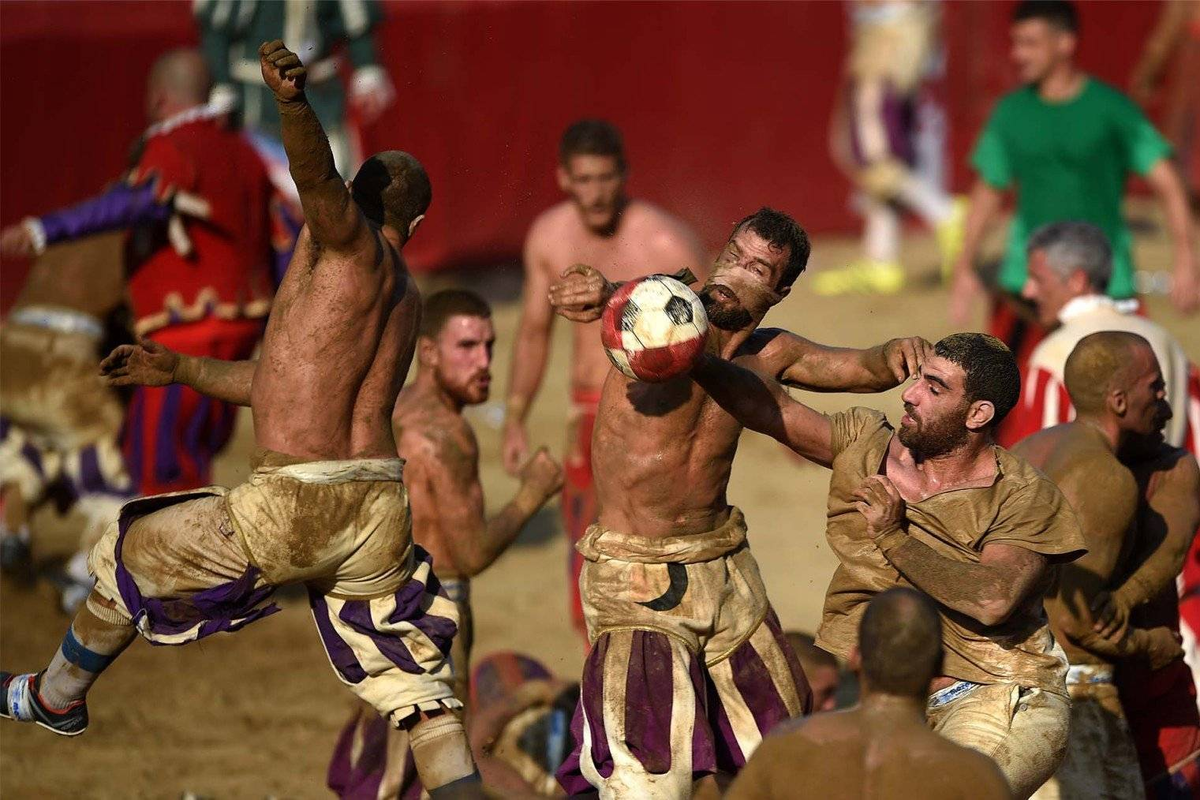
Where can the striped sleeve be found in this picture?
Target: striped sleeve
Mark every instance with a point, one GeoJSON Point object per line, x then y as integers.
{"type": "Point", "coordinates": [1044, 403]}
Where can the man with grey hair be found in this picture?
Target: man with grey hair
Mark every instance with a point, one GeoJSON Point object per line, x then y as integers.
{"type": "Point", "coordinates": [1069, 267]}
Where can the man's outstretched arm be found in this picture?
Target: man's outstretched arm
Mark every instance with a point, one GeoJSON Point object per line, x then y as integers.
{"type": "Point", "coordinates": [148, 363]}
{"type": "Point", "coordinates": [796, 361]}
{"type": "Point", "coordinates": [763, 405]}
{"type": "Point", "coordinates": [333, 219]}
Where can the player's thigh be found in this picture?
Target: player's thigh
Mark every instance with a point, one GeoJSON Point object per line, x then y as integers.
{"type": "Point", "coordinates": [183, 548]}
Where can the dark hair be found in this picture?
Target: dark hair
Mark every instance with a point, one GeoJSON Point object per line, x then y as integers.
{"type": "Point", "coordinates": [900, 643]}
{"type": "Point", "coordinates": [441, 306]}
{"type": "Point", "coordinates": [1060, 14]}
{"type": "Point", "coordinates": [991, 369]}
{"type": "Point", "coordinates": [592, 137]}
{"type": "Point", "coordinates": [392, 188]}
{"type": "Point", "coordinates": [780, 231]}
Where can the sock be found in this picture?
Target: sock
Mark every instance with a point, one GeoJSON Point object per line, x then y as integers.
{"type": "Point", "coordinates": [881, 232]}
{"type": "Point", "coordinates": [929, 202]}
{"type": "Point", "coordinates": [89, 647]}
{"type": "Point", "coordinates": [443, 756]}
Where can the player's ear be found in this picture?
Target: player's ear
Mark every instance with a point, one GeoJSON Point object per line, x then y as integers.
{"type": "Point", "coordinates": [564, 178]}
{"type": "Point", "coordinates": [412, 226]}
{"type": "Point", "coordinates": [426, 352]}
{"type": "Point", "coordinates": [783, 291]}
{"type": "Point", "coordinates": [1118, 401]}
{"type": "Point", "coordinates": [980, 414]}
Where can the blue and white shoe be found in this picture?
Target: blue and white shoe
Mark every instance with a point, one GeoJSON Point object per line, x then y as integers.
{"type": "Point", "coordinates": [20, 701]}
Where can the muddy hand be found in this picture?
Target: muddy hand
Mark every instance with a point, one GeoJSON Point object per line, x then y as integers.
{"type": "Point", "coordinates": [581, 294]}
{"type": "Point", "coordinates": [282, 71]}
{"type": "Point", "coordinates": [146, 363]}
{"type": "Point", "coordinates": [879, 501]}
{"type": "Point", "coordinates": [905, 356]}
{"type": "Point", "coordinates": [542, 473]}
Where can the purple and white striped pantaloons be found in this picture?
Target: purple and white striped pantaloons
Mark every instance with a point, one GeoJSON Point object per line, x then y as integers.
{"type": "Point", "coordinates": [187, 565]}
{"type": "Point", "coordinates": [689, 667]}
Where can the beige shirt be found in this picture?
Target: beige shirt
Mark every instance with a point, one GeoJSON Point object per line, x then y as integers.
{"type": "Point", "coordinates": [1022, 507]}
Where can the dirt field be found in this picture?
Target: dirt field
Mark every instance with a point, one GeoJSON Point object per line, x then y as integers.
{"type": "Point", "coordinates": [255, 715]}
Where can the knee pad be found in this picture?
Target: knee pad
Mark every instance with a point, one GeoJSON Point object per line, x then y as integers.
{"type": "Point", "coordinates": [441, 751]}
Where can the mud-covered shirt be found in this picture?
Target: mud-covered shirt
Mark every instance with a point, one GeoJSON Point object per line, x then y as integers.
{"type": "Point", "coordinates": [1022, 508]}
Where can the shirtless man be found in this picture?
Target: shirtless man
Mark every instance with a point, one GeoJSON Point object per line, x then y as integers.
{"type": "Point", "coordinates": [689, 666]}
{"type": "Point", "coordinates": [325, 504]}
{"type": "Point", "coordinates": [441, 472]}
{"type": "Point", "coordinates": [882, 748]}
{"type": "Point", "coordinates": [1118, 391]}
{"type": "Point", "coordinates": [622, 238]}
{"type": "Point", "coordinates": [941, 508]}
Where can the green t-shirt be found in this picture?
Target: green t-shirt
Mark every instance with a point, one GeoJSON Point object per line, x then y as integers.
{"type": "Point", "coordinates": [1069, 161]}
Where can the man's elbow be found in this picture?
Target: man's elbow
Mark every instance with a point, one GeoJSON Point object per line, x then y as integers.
{"type": "Point", "coordinates": [994, 610]}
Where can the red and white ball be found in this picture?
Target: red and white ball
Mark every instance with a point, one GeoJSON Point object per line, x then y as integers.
{"type": "Point", "coordinates": [654, 329]}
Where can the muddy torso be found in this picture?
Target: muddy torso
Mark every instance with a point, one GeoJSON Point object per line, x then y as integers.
{"type": "Point", "coordinates": [662, 452]}
{"type": "Point", "coordinates": [1062, 452]}
{"type": "Point", "coordinates": [430, 437]}
{"type": "Point", "coordinates": [638, 248]}
{"type": "Point", "coordinates": [336, 351]}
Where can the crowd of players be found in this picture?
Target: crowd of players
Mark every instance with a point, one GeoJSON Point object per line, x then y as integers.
{"type": "Point", "coordinates": [1020, 604]}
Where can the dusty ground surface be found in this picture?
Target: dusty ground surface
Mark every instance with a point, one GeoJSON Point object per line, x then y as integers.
{"type": "Point", "coordinates": [255, 714]}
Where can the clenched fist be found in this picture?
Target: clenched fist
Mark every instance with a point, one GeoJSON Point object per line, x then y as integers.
{"type": "Point", "coordinates": [879, 501]}
{"type": "Point", "coordinates": [146, 363]}
{"type": "Point", "coordinates": [281, 70]}
{"type": "Point", "coordinates": [542, 473]}
{"type": "Point", "coordinates": [581, 294]}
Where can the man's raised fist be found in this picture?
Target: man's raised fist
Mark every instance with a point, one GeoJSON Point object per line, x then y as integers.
{"type": "Point", "coordinates": [281, 70]}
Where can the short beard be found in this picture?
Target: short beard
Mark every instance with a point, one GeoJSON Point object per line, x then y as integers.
{"type": "Point", "coordinates": [930, 440]}
{"type": "Point", "coordinates": [727, 319]}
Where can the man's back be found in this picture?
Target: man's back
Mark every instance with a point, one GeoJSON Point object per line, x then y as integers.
{"type": "Point", "coordinates": [853, 755]}
{"type": "Point", "coordinates": [337, 348]}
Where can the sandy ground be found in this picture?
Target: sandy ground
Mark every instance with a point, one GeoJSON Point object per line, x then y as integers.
{"type": "Point", "coordinates": [256, 714]}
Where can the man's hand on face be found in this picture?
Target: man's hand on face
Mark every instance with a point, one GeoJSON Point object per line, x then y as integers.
{"type": "Point", "coordinates": [905, 356]}
{"type": "Point", "coordinates": [581, 294]}
{"type": "Point", "coordinates": [880, 503]}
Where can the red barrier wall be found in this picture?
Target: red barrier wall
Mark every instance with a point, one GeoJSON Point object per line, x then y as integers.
{"type": "Point", "coordinates": [724, 106]}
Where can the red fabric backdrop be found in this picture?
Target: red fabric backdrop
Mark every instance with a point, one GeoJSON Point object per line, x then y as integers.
{"type": "Point", "coordinates": [724, 106]}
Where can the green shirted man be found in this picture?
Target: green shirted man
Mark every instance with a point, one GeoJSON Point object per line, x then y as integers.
{"type": "Point", "coordinates": [1066, 142]}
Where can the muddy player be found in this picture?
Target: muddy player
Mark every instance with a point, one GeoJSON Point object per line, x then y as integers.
{"type": "Point", "coordinates": [881, 748]}
{"type": "Point", "coordinates": [59, 423]}
{"type": "Point", "coordinates": [1160, 704]}
{"type": "Point", "coordinates": [1118, 392]}
{"type": "Point", "coordinates": [622, 238]}
{"type": "Point", "coordinates": [940, 507]}
{"type": "Point", "coordinates": [441, 472]}
{"type": "Point", "coordinates": [325, 504]}
{"type": "Point", "coordinates": [675, 605]}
